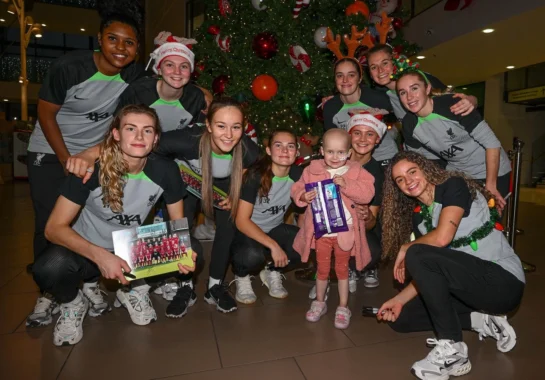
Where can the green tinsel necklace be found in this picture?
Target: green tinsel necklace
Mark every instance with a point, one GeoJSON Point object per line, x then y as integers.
{"type": "Point", "coordinates": [471, 239]}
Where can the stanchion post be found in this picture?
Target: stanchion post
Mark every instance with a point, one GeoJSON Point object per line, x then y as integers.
{"type": "Point", "coordinates": [514, 201]}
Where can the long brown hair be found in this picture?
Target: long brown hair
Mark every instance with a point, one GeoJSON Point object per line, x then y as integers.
{"type": "Point", "coordinates": [205, 154]}
{"type": "Point", "coordinates": [397, 208]}
{"type": "Point", "coordinates": [113, 167]}
{"type": "Point", "coordinates": [263, 167]}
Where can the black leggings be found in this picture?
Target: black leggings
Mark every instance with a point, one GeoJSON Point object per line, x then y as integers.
{"type": "Point", "coordinates": [59, 271]}
{"type": "Point", "coordinates": [46, 176]}
{"type": "Point", "coordinates": [452, 284]}
{"type": "Point", "coordinates": [249, 256]}
{"type": "Point", "coordinates": [225, 231]}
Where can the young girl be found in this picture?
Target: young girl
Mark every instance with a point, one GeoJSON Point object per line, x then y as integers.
{"type": "Point", "coordinates": [110, 200]}
{"type": "Point", "coordinates": [463, 273]}
{"type": "Point", "coordinates": [76, 105]}
{"type": "Point", "coordinates": [356, 186]}
{"type": "Point", "coordinates": [262, 234]}
{"type": "Point", "coordinates": [466, 143]}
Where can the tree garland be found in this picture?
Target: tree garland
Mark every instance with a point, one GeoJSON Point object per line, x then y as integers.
{"type": "Point", "coordinates": [471, 239]}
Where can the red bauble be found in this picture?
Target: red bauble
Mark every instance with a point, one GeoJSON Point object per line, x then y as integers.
{"type": "Point", "coordinates": [498, 226]}
{"type": "Point", "coordinates": [265, 45]}
{"type": "Point", "coordinates": [417, 209]}
{"type": "Point", "coordinates": [225, 8]}
{"type": "Point", "coordinates": [213, 30]}
{"type": "Point", "coordinates": [358, 7]}
{"type": "Point", "coordinates": [264, 87]}
{"type": "Point", "coordinates": [199, 69]}
{"type": "Point", "coordinates": [398, 49]}
{"type": "Point", "coordinates": [219, 83]}
{"type": "Point", "coordinates": [397, 23]}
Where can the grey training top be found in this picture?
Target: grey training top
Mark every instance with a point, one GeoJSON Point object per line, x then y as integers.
{"type": "Point", "coordinates": [96, 223]}
{"type": "Point", "coordinates": [494, 247]}
{"type": "Point", "coordinates": [87, 98]}
{"type": "Point", "coordinates": [460, 140]}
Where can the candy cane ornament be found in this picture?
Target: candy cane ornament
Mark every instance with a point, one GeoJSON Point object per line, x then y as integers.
{"type": "Point", "coordinates": [298, 5]}
{"type": "Point", "coordinates": [299, 58]}
{"type": "Point", "coordinates": [223, 43]}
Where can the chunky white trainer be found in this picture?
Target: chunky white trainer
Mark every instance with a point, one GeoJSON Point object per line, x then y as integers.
{"type": "Point", "coordinates": [273, 280]}
{"type": "Point", "coordinates": [69, 327]}
{"type": "Point", "coordinates": [245, 293]}
{"type": "Point", "coordinates": [138, 304]}
{"type": "Point", "coordinates": [445, 359]}
{"type": "Point", "coordinates": [495, 327]}
{"type": "Point", "coordinates": [43, 312]}
{"type": "Point", "coordinates": [98, 303]}
{"type": "Point", "coordinates": [169, 289]}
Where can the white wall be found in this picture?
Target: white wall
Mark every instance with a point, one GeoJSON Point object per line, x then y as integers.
{"type": "Point", "coordinates": [449, 25]}
{"type": "Point", "coordinates": [510, 120]}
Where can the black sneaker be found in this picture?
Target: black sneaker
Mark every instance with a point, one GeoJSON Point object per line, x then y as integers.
{"type": "Point", "coordinates": [219, 295]}
{"type": "Point", "coordinates": [184, 298]}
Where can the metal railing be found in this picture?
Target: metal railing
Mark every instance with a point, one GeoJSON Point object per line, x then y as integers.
{"type": "Point", "coordinates": [537, 174]}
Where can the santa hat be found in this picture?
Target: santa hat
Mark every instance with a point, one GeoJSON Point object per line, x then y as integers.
{"type": "Point", "coordinates": [168, 45]}
{"type": "Point", "coordinates": [368, 120]}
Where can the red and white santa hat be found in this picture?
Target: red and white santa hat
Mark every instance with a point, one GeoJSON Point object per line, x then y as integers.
{"type": "Point", "coordinates": [168, 45]}
{"type": "Point", "coordinates": [366, 119]}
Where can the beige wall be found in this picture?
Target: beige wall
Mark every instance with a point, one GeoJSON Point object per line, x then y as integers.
{"type": "Point", "coordinates": [510, 120]}
{"type": "Point", "coordinates": [168, 15]}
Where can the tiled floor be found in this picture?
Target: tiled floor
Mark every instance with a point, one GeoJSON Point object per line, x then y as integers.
{"type": "Point", "coordinates": [268, 340]}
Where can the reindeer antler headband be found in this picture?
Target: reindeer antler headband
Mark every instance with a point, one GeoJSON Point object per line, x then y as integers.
{"type": "Point", "coordinates": [358, 38]}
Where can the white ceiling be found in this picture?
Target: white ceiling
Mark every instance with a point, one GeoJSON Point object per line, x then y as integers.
{"type": "Point", "coordinates": [474, 57]}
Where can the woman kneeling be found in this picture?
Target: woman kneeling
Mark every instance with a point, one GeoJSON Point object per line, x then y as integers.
{"type": "Point", "coordinates": [464, 274]}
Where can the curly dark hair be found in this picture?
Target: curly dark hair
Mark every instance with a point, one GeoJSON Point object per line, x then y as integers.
{"type": "Point", "coordinates": [125, 11]}
{"type": "Point", "coordinates": [397, 208]}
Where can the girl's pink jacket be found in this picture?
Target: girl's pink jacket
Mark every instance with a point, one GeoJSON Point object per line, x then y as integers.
{"type": "Point", "coordinates": [359, 189]}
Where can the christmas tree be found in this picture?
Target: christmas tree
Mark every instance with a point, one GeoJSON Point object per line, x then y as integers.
{"type": "Point", "coordinates": [270, 54]}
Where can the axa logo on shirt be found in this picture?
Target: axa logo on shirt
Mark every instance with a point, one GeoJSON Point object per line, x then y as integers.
{"type": "Point", "coordinates": [450, 152]}
{"type": "Point", "coordinates": [151, 200]}
{"type": "Point", "coordinates": [275, 210]}
{"type": "Point", "coordinates": [126, 220]}
{"type": "Point", "coordinates": [96, 116]}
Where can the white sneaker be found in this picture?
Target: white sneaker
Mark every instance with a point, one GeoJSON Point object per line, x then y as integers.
{"type": "Point", "coordinates": [245, 293]}
{"type": "Point", "coordinates": [445, 359]}
{"type": "Point", "coordinates": [370, 278]}
{"type": "Point", "coordinates": [98, 305]}
{"type": "Point", "coordinates": [138, 304]}
{"type": "Point", "coordinates": [273, 280]}
{"type": "Point", "coordinates": [69, 327]}
{"type": "Point", "coordinates": [168, 289]}
{"type": "Point", "coordinates": [43, 312]}
{"type": "Point", "coordinates": [205, 232]}
{"type": "Point", "coordinates": [352, 281]}
{"type": "Point", "coordinates": [496, 327]}
{"type": "Point", "coordinates": [312, 293]}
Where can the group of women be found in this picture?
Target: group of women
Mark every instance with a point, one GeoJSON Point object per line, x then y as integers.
{"type": "Point", "coordinates": [119, 133]}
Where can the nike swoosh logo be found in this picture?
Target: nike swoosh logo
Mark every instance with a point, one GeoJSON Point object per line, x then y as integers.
{"type": "Point", "coordinates": [76, 97]}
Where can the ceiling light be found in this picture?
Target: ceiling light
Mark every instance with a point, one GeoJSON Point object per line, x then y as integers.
{"type": "Point", "coordinates": [420, 57]}
{"type": "Point", "coordinates": [510, 67]}
{"type": "Point", "coordinates": [488, 31]}
{"type": "Point", "coordinates": [464, 88]}
{"type": "Point", "coordinates": [82, 29]}
{"type": "Point", "coordinates": [2, 20]}
{"type": "Point", "coordinates": [44, 25]}
{"type": "Point", "coordinates": [6, 100]}
{"type": "Point", "coordinates": [449, 86]}
{"type": "Point", "coordinates": [11, 9]}
{"type": "Point", "coordinates": [15, 118]}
